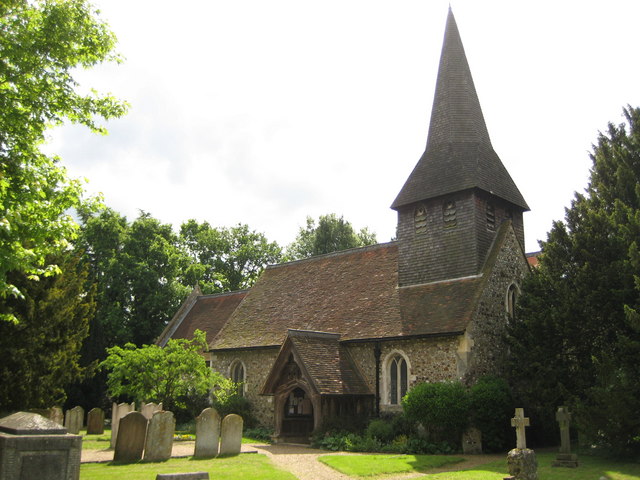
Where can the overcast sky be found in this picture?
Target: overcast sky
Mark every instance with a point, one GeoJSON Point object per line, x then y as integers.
{"type": "Point", "coordinates": [263, 112]}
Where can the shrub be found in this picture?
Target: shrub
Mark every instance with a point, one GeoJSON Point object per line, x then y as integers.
{"type": "Point", "coordinates": [491, 405]}
{"type": "Point", "coordinates": [226, 400]}
{"type": "Point", "coordinates": [441, 408]}
{"type": "Point", "coordinates": [381, 430]}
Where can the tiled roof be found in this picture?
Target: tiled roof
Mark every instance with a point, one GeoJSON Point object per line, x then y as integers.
{"type": "Point", "coordinates": [208, 313]}
{"type": "Point", "coordinates": [458, 155]}
{"type": "Point", "coordinates": [329, 365]}
{"type": "Point", "coordinates": [353, 293]}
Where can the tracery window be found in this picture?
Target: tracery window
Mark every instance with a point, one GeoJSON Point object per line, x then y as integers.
{"type": "Point", "coordinates": [398, 379]}
{"type": "Point", "coordinates": [237, 374]}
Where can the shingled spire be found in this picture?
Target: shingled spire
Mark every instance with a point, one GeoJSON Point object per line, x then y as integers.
{"type": "Point", "coordinates": [459, 154]}
{"type": "Point", "coordinates": [459, 194]}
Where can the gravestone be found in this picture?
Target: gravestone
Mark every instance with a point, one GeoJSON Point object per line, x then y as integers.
{"type": "Point", "coordinates": [131, 436]}
{"type": "Point", "coordinates": [157, 446]}
{"type": "Point", "coordinates": [565, 458]}
{"type": "Point", "coordinates": [207, 433]}
{"type": "Point", "coordinates": [95, 422]}
{"type": "Point", "coordinates": [472, 441]}
{"type": "Point", "coordinates": [117, 412]}
{"type": "Point", "coordinates": [183, 476]}
{"type": "Point", "coordinates": [231, 435]}
{"type": "Point", "coordinates": [521, 461]}
{"type": "Point", "coordinates": [148, 409]}
{"type": "Point", "coordinates": [56, 415]}
{"type": "Point", "coordinates": [35, 447]}
{"type": "Point", "coordinates": [74, 419]}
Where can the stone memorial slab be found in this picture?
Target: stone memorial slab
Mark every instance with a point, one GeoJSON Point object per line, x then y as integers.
{"type": "Point", "coordinates": [207, 433]}
{"type": "Point", "coordinates": [472, 442]}
{"type": "Point", "coordinates": [74, 419]}
{"type": "Point", "coordinates": [117, 412]}
{"type": "Point", "coordinates": [35, 447]}
{"type": "Point", "coordinates": [148, 409]}
{"type": "Point", "coordinates": [132, 432]}
{"type": "Point", "coordinates": [183, 476]}
{"type": "Point", "coordinates": [95, 421]}
{"type": "Point", "coordinates": [159, 441]}
{"type": "Point", "coordinates": [231, 435]}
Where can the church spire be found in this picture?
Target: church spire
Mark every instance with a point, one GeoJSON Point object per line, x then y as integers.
{"type": "Point", "coordinates": [458, 155]}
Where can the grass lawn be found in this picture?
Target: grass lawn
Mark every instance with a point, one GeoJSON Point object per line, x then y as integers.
{"type": "Point", "coordinates": [246, 466]}
{"type": "Point", "coordinates": [373, 465]}
{"type": "Point", "coordinates": [377, 466]}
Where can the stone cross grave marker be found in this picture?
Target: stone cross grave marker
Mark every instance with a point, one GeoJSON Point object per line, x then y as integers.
{"type": "Point", "coordinates": [131, 436]}
{"type": "Point", "coordinates": [520, 422]}
{"type": "Point", "coordinates": [95, 421]}
{"type": "Point", "coordinates": [565, 458]}
{"type": "Point", "coordinates": [231, 435]}
{"type": "Point", "coordinates": [207, 433]}
{"type": "Point", "coordinates": [157, 446]}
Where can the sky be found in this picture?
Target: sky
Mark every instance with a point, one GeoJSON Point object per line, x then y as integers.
{"type": "Point", "coordinates": [264, 113]}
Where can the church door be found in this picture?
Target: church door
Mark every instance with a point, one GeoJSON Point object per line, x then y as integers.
{"type": "Point", "coordinates": [297, 417]}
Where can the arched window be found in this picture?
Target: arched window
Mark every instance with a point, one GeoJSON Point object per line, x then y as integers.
{"type": "Point", "coordinates": [510, 300]}
{"type": "Point", "coordinates": [397, 378]}
{"type": "Point", "coordinates": [237, 374]}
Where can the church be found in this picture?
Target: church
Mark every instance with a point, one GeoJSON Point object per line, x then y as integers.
{"type": "Point", "coordinates": [349, 333]}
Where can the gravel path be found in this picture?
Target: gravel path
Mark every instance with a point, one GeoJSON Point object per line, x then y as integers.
{"type": "Point", "coordinates": [300, 460]}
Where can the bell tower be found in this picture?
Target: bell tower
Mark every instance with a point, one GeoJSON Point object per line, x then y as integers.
{"type": "Point", "coordinates": [459, 192]}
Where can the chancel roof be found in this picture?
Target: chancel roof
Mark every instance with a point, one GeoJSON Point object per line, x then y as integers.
{"type": "Point", "coordinates": [352, 293]}
{"type": "Point", "coordinates": [208, 313]}
{"type": "Point", "coordinates": [459, 155]}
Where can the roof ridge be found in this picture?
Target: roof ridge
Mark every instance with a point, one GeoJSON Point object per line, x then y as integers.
{"type": "Point", "coordinates": [334, 254]}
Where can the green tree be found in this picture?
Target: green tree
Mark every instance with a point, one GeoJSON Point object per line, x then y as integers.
{"type": "Point", "coordinates": [171, 375]}
{"type": "Point", "coordinates": [226, 259]}
{"type": "Point", "coordinates": [41, 352]}
{"type": "Point", "coordinates": [578, 320]}
{"type": "Point", "coordinates": [42, 43]}
{"type": "Point", "coordinates": [331, 234]}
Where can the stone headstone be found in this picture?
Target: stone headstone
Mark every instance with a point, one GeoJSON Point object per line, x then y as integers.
{"type": "Point", "coordinates": [56, 415]}
{"type": "Point", "coordinates": [148, 409]}
{"type": "Point", "coordinates": [207, 433]}
{"type": "Point", "coordinates": [183, 476]}
{"type": "Point", "coordinates": [522, 464]}
{"type": "Point", "coordinates": [131, 436]}
{"type": "Point", "coordinates": [565, 458]}
{"type": "Point", "coordinates": [472, 442]}
{"type": "Point", "coordinates": [520, 422]}
{"type": "Point", "coordinates": [95, 421]}
{"type": "Point", "coordinates": [157, 446]}
{"type": "Point", "coordinates": [231, 435]}
{"type": "Point", "coordinates": [35, 447]}
{"type": "Point", "coordinates": [117, 412]}
{"type": "Point", "coordinates": [74, 419]}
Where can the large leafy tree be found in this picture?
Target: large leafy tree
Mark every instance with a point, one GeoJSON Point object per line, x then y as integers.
{"type": "Point", "coordinates": [41, 352]}
{"type": "Point", "coordinates": [41, 43]}
{"type": "Point", "coordinates": [330, 234]}
{"type": "Point", "coordinates": [576, 337]}
{"type": "Point", "coordinates": [174, 374]}
{"type": "Point", "coordinates": [226, 259]}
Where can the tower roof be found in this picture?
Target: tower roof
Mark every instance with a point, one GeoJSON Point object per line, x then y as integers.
{"type": "Point", "coordinates": [458, 155]}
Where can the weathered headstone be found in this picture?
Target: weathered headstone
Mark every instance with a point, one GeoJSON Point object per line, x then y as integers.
{"type": "Point", "coordinates": [207, 433]}
{"type": "Point", "coordinates": [117, 412]}
{"type": "Point", "coordinates": [74, 419]}
{"type": "Point", "coordinates": [56, 415]}
{"type": "Point", "coordinates": [521, 461]}
{"type": "Point", "coordinates": [565, 458]}
{"type": "Point", "coordinates": [157, 446]}
{"type": "Point", "coordinates": [148, 409]}
{"type": "Point", "coordinates": [95, 421]}
{"type": "Point", "coordinates": [231, 435]}
{"type": "Point", "coordinates": [34, 447]}
{"type": "Point", "coordinates": [183, 476]}
{"type": "Point", "coordinates": [131, 436]}
{"type": "Point", "coordinates": [472, 441]}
